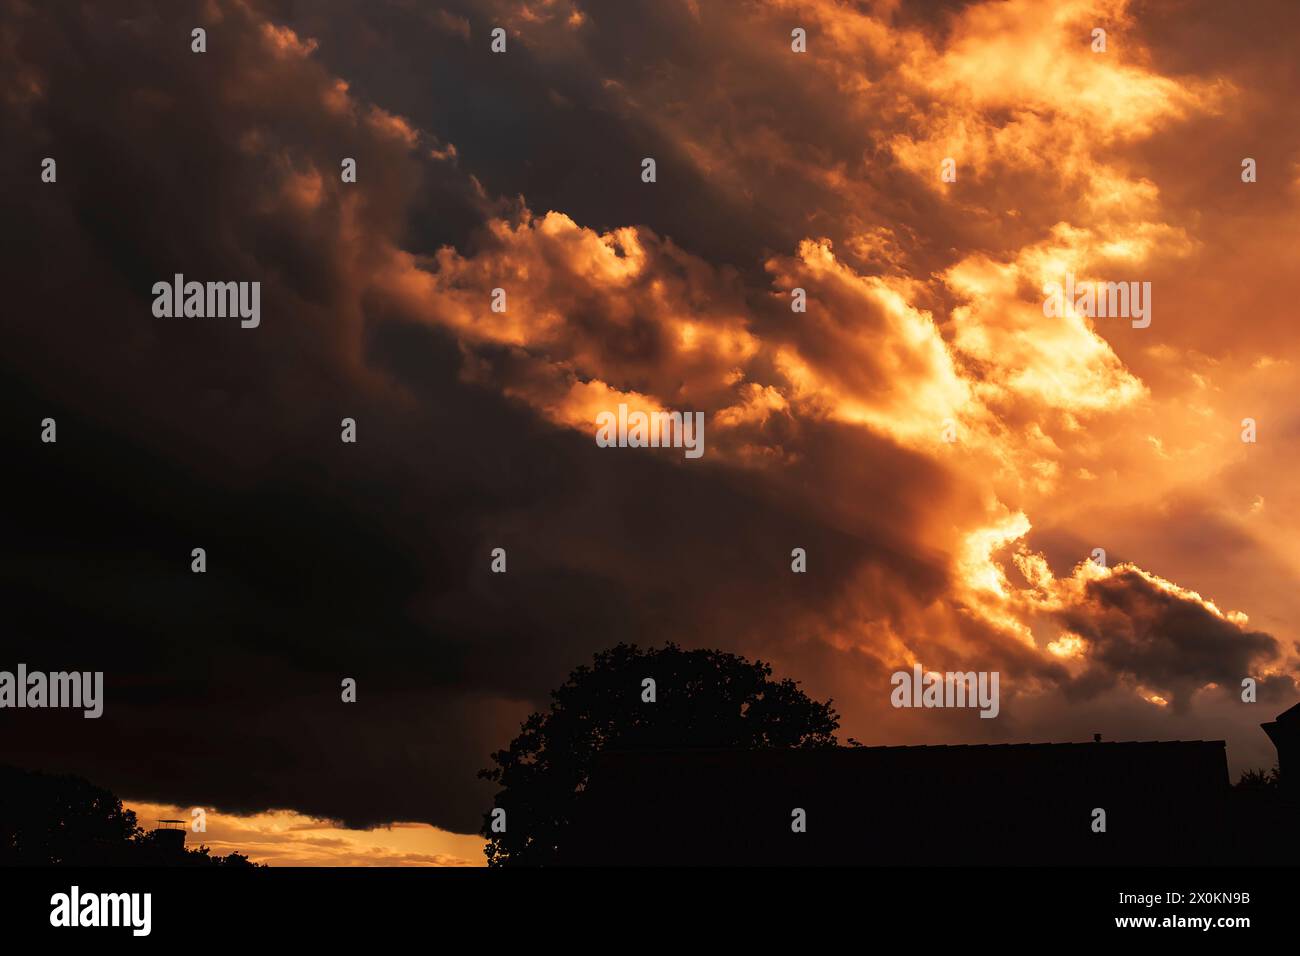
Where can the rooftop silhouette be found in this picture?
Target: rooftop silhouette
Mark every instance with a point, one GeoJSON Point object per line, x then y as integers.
{"type": "Point", "coordinates": [1164, 802]}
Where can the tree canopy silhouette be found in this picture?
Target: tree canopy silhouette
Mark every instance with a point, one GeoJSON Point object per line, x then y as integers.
{"type": "Point", "coordinates": [703, 699]}
{"type": "Point", "coordinates": [65, 820]}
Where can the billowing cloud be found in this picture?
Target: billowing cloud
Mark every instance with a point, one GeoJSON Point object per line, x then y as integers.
{"type": "Point", "coordinates": [947, 452]}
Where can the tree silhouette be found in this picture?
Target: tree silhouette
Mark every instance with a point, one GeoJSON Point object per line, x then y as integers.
{"type": "Point", "coordinates": [1259, 779]}
{"type": "Point", "coordinates": [704, 699]}
{"type": "Point", "coordinates": [64, 820]}
{"type": "Point", "coordinates": [55, 820]}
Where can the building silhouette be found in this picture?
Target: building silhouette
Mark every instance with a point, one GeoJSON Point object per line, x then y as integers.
{"type": "Point", "coordinates": [1285, 734]}
{"type": "Point", "coordinates": [1164, 803]}
{"type": "Point", "coordinates": [169, 837]}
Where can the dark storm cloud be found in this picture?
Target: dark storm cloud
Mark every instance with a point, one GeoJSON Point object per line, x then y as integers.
{"type": "Point", "coordinates": [1171, 641]}
{"type": "Point", "coordinates": [371, 560]}
{"type": "Point", "coordinates": [550, 131]}
{"type": "Point", "coordinates": [325, 560]}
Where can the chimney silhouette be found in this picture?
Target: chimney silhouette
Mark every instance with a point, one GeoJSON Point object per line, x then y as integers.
{"type": "Point", "coordinates": [1284, 731]}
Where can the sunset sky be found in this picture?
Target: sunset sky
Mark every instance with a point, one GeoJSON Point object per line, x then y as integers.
{"type": "Point", "coordinates": [826, 430]}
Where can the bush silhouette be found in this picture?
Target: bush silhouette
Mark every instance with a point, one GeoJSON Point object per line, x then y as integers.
{"type": "Point", "coordinates": [1259, 779]}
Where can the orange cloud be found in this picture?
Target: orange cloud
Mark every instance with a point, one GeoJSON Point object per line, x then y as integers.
{"type": "Point", "coordinates": [286, 838]}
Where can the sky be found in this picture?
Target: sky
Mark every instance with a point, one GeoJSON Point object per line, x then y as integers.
{"type": "Point", "coordinates": [284, 838]}
{"type": "Point", "coordinates": [947, 454]}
